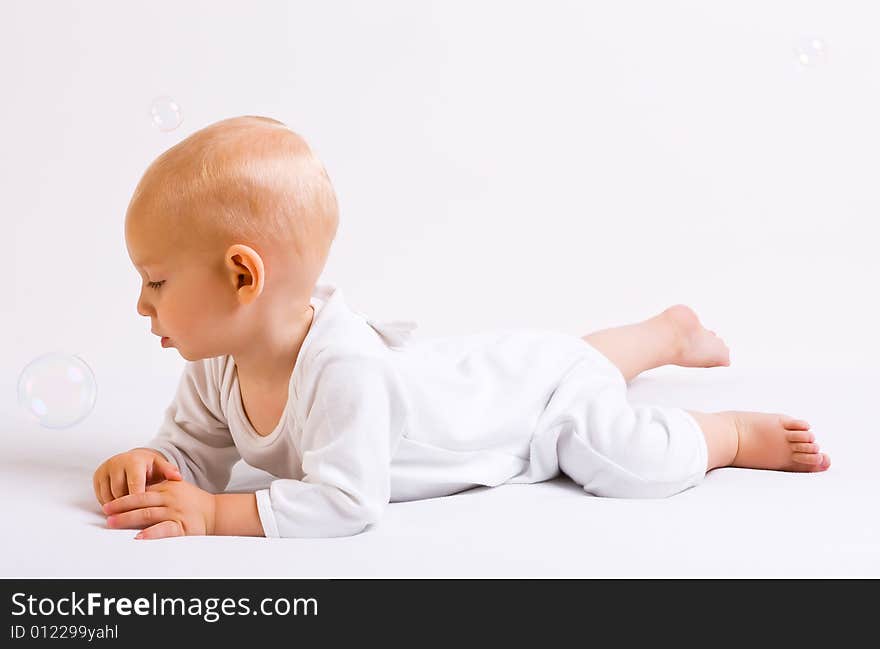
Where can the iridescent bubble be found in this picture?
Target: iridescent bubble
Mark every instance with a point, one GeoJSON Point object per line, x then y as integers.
{"type": "Point", "coordinates": [811, 51]}
{"type": "Point", "coordinates": [165, 113]}
{"type": "Point", "coordinates": [58, 390]}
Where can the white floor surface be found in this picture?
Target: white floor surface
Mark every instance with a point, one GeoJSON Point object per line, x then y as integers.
{"type": "Point", "coordinates": [737, 523]}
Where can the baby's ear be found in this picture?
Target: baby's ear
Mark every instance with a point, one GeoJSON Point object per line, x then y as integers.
{"type": "Point", "coordinates": [246, 270]}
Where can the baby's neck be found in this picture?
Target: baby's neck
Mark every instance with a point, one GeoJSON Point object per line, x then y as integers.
{"type": "Point", "coordinates": [270, 362]}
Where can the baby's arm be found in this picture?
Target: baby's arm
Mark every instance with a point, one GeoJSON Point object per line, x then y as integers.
{"type": "Point", "coordinates": [193, 434]}
{"type": "Point", "coordinates": [193, 444]}
{"type": "Point", "coordinates": [195, 439]}
{"type": "Point", "coordinates": [354, 420]}
{"type": "Point", "coordinates": [237, 515]}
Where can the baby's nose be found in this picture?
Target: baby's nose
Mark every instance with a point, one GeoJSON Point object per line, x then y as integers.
{"type": "Point", "coordinates": [142, 307]}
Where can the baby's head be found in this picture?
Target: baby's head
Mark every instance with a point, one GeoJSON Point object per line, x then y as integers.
{"type": "Point", "coordinates": [230, 230]}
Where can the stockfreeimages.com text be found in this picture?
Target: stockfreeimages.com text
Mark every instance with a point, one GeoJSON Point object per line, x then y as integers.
{"type": "Point", "coordinates": [210, 608]}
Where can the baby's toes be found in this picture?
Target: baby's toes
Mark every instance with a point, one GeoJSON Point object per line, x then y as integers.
{"type": "Point", "coordinates": [822, 465]}
{"type": "Point", "coordinates": [813, 459]}
{"type": "Point", "coordinates": [791, 423]}
{"type": "Point", "coordinates": [800, 447]}
{"type": "Point", "coordinates": [799, 436]}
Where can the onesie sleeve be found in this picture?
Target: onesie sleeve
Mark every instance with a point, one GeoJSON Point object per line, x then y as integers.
{"type": "Point", "coordinates": [193, 433]}
{"type": "Point", "coordinates": [354, 419]}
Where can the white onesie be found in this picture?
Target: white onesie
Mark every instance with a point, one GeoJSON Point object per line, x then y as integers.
{"type": "Point", "coordinates": [375, 415]}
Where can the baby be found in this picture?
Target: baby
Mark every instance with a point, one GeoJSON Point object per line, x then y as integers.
{"type": "Point", "coordinates": [230, 230]}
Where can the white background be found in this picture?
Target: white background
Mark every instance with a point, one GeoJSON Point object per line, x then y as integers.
{"type": "Point", "coordinates": [566, 165]}
{"type": "Point", "coordinates": [562, 165]}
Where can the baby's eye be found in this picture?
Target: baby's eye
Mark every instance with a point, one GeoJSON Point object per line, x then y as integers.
{"type": "Point", "coordinates": [155, 285]}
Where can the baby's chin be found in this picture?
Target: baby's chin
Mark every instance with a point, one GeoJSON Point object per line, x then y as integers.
{"type": "Point", "coordinates": [190, 355]}
{"type": "Point", "coordinates": [182, 351]}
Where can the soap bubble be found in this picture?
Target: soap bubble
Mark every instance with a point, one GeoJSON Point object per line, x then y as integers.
{"type": "Point", "coordinates": [57, 389]}
{"type": "Point", "coordinates": [165, 113]}
{"type": "Point", "coordinates": [811, 51]}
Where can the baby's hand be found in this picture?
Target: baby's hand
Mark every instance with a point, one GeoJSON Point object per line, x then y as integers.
{"type": "Point", "coordinates": [130, 473]}
{"type": "Point", "coordinates": [169, 508]}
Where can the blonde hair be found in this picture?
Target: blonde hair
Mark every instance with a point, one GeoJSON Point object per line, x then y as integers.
{"type": "Point", "coordinates": [247, 179]}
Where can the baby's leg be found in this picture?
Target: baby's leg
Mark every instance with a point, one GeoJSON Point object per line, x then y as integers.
{"type": "Point", "coordinates": [673, 337]}
{"type": "Point", "coordinates": [759, 440]}
{"type": "Point", "coordinates": [615, 448]}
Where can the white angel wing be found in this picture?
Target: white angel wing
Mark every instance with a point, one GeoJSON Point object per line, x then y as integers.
{"type": "Point", "coordinates": [395, 333]}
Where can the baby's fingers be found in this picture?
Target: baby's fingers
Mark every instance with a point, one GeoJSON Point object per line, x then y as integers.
{"type": "Point", "coordinates": [118, 485]}
{"type": "Point", "coordinates": [102, 488]}
{"type": "Point", "coordinates": [106, 494]}
{"type": "Point", "coordinates": [161, 530]}
{"type": "Point", "coordinates": [136, 477]}
{"type": "Point", "coordinates": [168, 470]}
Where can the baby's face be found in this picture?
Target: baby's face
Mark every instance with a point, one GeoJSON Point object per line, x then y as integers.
{"type": "Point", "coordinates": [187, 297]}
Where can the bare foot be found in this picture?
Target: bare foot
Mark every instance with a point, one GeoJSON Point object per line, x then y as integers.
{"type": "Point", "coordinates": [697, 346]}
{"type": "Point", "coordinates": [777, 442]}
